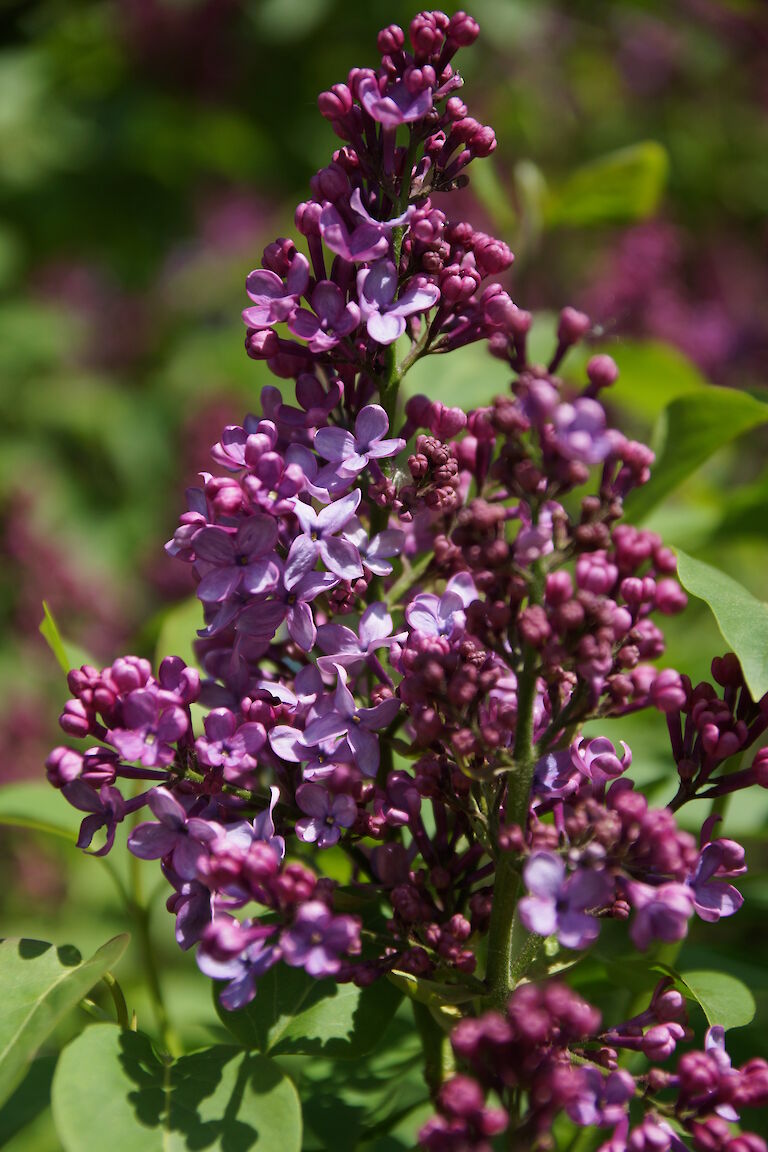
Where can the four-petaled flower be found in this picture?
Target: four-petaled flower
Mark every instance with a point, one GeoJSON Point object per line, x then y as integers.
{"type": "Point", "coordinates": [180, 837]}
{"type": "Point", "coordinates": [319, 539]}
{"type": "Point", "coordinates": [351, 453]}
{"type": "Point", "coordinates": [275, 300]}
{"type": "Point", "coordinates": [243, 561]}
{"type": "Point", "coordinates": [317, 940]}
{"type": "Point", "coordinates": [149, 729]}
{"type": "Point", "coordinates": [563, 904]}
{"type": "Point", "coordinates": [331, 321]}
{"type": "Point", "coordinates": [384, 316]}
{"type": "Point", "coordinates": [326, 815]}
{"type": "Point", "coordinates": [357, 724]}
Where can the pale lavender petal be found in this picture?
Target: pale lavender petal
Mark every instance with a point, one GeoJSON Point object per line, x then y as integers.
{"type": "Point", "coordinates": [297, 279]}
{"type": "Point", "coordinates": [538, 915]}
{"type": "Point", "coordinates": [302, 557]}
{"type": "Point", "coordinates": [417, 298]}
{"type": "Point", "coordinates": [314, 584]}
{"type": "Point", "coordinates": [365, 747]}
{"type": "Point", "coordinates": [186, 857]}
{"type": "Point", "coordinates": [336, 515]}
{"type": "Point", "coordinates": [314, 800]}
{"type": "Point", "coordinates": [375, 624]}
{"type": "Point", "coordinates": [371, 424]}
{"type": "Point", "coordinates": [324, 728]}
{"type": "Point", "coordinates": [343, 699]}
{"type": "Point", "coordinates": [390, 542]}
{"type": "Point", "coordinates": [152, 841]}
{"type": "Point", "coordinates": [337, 638]}
{"type": "Point", "coordinates": [260, 577]}
{"type": "Point", "coordinates": [140, 709]}
{"type": "Point", "coordinates": [334, 443]}
{"type": "Point", "coordinates": [301, 625]}
{"type": "Point", "coordinates": [381, 716]}
{"type": "Point", "coordinates": [385, 328]}
{"type": "Point", "coordinates": [287, 744]}
{"type": "Point", "coordinates": [544, 874]}
{"type": "Point", "coordinates": [384, 448]}
{"type": "Point", "coordinates": [341, 557]}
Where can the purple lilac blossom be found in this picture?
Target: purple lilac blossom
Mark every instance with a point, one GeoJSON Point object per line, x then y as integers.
{"type": "Point", "coordinates": [326, 815]}
{"type": "Point", "coordinates": [317, 940]}
{"type": "Point", "coordinates": [560, 905]}
{"type": "Point", "coordinates": [351, 453]}
{"type": "Point", "coordinates": [383, 315]}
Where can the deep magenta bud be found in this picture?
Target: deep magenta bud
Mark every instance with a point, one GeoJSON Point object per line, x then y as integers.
{"type": "Point", "coordinates": [572, 326]}
{"type": "Point", "coordinates": [602, 371]}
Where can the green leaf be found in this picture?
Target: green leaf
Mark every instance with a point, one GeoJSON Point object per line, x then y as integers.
{"type": "Point", "coordinates": [39, 984]}
{"type": "Point", "coordinates": [67, 655]}
{"type": "Point", "coordinates": [741, 618]}
{"type": "Point", "coordinates": [723, 999]}
{"type": "Point", "coordinates": [687, 434]}
{"type": "Point", "coordinates": [295, 1014]}
{"type": "Point", "coordinates": [651, 375]}
{"type": "Point", "coordinates": [467, 378]}
{"type": "Point", "coordinates": [40, 807]}
{"type": "Point", "coordinates": [178, 631]}
{"type": "Point", "coordinates": [432, 992]}
{"type": "Point", "coordinates": [111, 1090]}
{"type": "Point", "coordinates": [615, 189]}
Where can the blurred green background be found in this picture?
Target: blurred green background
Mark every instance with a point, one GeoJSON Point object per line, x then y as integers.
{"type": "Point", "coordinates": [148, 151]}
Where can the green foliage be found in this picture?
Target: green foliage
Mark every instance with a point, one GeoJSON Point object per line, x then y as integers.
{"type": "Point", "coordinates": [723, 999]}
{"type": "Point", "coordinates": [112, 1089]}
{"type": "Point", "coordinates": [623, 186]}
{"type": "Point", "coordinates": [39, 984]}
{"type": "Point", "coordinates": [39, 807]}
{"type": "Point", "coordinates": [295, 1014]}
{"type": "Point", "coordinates": [687, 434]}
{"type": "Point", "coordinates": [741, 618]}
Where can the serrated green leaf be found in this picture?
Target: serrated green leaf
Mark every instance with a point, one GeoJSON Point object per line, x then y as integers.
{"type": "Point", "coordinates": [294, 1014]}
{"type": "Point", "coordinates": [741, 617]}
{"type": "Point", "coordinates": [687, 434]}
{"type": "Point", "coordinates": [723, 999]}
{"type": "Point", "coordinates": [112, 1090]}
{"type": "Point", "coordinates": [39, 984]}
{"type": "Point", "coordinates": [615, 189]}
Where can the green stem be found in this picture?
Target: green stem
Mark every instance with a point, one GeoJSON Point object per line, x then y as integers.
{"type": "Point", "coordinates": [506, 951]}
{"type": "Point", "coordinates": [118, 999]}
{"type": "Point", "coordinates": [498, 973]}
{"type": "Point", "coordinates": [435, 1046]}
{"type": "Point", "coordinates": [140, 913]}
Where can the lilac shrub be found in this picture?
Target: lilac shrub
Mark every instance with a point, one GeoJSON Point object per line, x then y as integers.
{"type": "Point", "coordinates": [408, 613]}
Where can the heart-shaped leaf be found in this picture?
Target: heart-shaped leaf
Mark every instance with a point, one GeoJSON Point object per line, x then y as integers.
{"type": "Point", "coordinates": [298, 1015]}
{"type": "Point", "coordinates": [39, 984]}
{"type": "Point", "coordinates": [111, 1090]}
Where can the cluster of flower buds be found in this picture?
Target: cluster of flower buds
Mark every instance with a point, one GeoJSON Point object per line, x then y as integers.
{"type": "Point", "coordinates": [407, 616]}
{"type": "Point", "coordinates": [548, 1043]}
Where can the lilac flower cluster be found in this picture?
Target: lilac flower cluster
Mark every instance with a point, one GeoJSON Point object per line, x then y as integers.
{"type": "Point", "coordinates": [407, 618]}
{"type": "Point", "coordinates": [549, 1043]}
